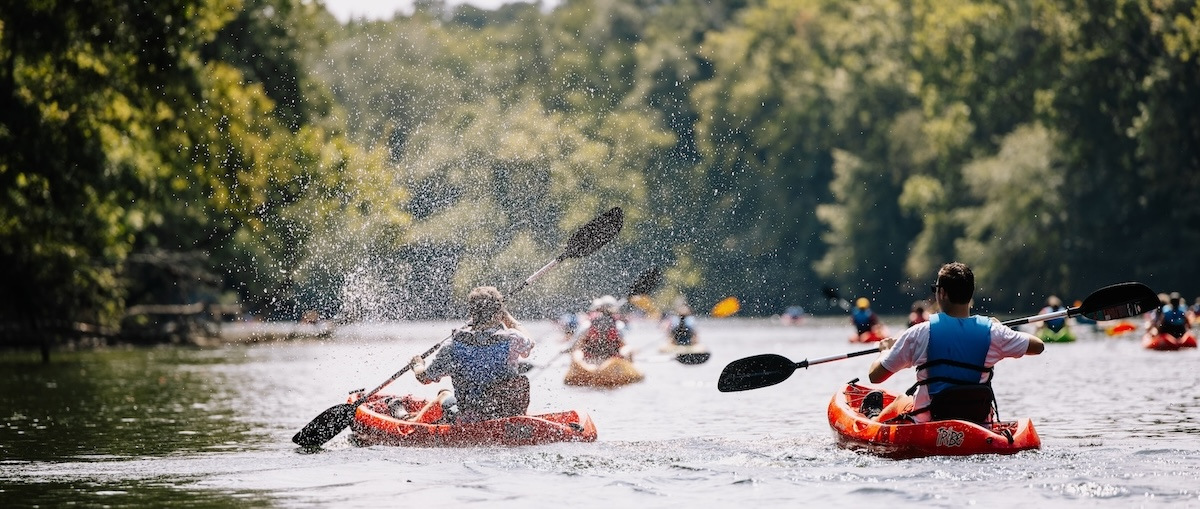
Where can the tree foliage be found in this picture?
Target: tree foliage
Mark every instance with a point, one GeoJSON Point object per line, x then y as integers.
{"type": "Point", "coordinates": [763, 148]}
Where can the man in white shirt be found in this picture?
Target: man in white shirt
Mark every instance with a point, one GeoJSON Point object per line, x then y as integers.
{"type": "Point", "coordinates": [953, 349]}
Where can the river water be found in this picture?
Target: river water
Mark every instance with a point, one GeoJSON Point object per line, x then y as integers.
{"type": "Point", "coordinates": [1120, 427]}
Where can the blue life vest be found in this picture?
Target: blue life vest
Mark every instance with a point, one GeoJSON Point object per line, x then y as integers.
{"type": "Point", "coordinates": [1174, 316]}
{"type": "Point", "coordinates": [480, 360]}
{"type": "Point", "coordinates": [862, 319]}
{"type": "Point", "coordinates": [1057, 323]}
{"type": "Point", "coordinates": [956, 353]}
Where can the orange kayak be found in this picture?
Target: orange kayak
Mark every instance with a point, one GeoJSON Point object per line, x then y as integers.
{"type": "Point", "coordinates": [375, 424]}
{"type": "Point", "coordinates": [856, 431]}
{"type": "Point", "coordinates": [1164, 341]}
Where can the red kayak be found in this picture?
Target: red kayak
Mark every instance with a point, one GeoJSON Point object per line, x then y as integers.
{"type": "Point", "coordinates": [870, 336]}
{"type": "Point", "coordinates": [376, 424]}
{"type": "Point", "coordinates": [855, 431]}
{"type": "Point", "coordinates": [1164, 341]}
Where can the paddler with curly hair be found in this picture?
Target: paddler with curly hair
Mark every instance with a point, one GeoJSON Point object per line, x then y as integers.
{"type": "Point", "coordinates": [481, 361]}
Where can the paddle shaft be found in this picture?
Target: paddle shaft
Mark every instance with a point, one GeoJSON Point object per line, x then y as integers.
{"type": "Point", "coordinates": [1108, 303]}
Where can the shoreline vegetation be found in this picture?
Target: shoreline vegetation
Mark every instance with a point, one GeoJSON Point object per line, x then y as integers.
{"type": "Point", "coordinates": [193, 325]}
{"type": "Point", "coordinates": [260, 152]}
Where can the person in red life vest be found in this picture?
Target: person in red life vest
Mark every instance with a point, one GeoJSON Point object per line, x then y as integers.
{"type": "Point", "coordinates": [481, 361]}
{"type": "Point", "coordinates": [953, 352]}
{"type": "Point", "coordinates": [604, 337]}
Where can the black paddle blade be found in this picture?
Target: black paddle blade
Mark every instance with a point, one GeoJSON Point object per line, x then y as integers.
{"type": "Point", "coordinates": [595, 234]}
{"type": "Point", "coordinates": [646, 282]}
{"type": "Point", "coordinates": [755, 372]}
{"type": "Point", "coordinates": [325, 426]}
{"type": "Point", "coordinates": [692, 359]}
{"type": "Point", "coordinates": [1118, 301]}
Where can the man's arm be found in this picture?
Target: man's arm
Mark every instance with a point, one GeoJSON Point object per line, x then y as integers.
{"type": "Point", "coordinates": [1036, 345]}
{"type": "Point", "coordinates": [879, 373]}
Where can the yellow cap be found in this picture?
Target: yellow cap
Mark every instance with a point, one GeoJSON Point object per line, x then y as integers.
{"type": "Point", "coordinates": [862, 302]}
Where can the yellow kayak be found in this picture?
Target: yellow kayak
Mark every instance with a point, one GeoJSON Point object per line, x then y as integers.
{"type": "Point", "coordinates": [612, 372]}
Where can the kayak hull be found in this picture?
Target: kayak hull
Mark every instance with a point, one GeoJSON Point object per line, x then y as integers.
{"type": "Point", "coordinates": [1063, 335]}
{"type": "Point", "coordinates": [1167, 342]}
{"type": "Point", "coordinates": [687, 354]}
{"type": "Point", "coordinates": [855, 431]}
{"type": "Point", "coordinates": [612, 372]}
{"type": "Point", "coordinates": [374, 424]}
{"type": "Point", "coordinates": [867, 337]}
{"type": "Point", "coordinates": [1120, 328]}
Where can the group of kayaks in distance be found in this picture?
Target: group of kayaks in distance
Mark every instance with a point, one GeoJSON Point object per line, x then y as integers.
{"type": "Point", "coordinates": [1167, 327]}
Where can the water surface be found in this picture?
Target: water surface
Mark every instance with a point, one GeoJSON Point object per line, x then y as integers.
{"type": "Point", "coordinates": [1120, 427]}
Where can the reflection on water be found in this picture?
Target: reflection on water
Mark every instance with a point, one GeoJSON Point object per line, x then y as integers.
{"type": "Point", "coordinates": [118, 403]}
{"type": "Point", "coordinates": [171, 426]}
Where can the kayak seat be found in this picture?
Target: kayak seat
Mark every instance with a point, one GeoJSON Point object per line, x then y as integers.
{"type": "Point", "coordinates": [872, 404]}
{"type": "Point", "coordinates": [973, 403]}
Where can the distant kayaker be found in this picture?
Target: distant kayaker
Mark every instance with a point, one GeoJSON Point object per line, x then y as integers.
{"type": "Point", "coordinates": [682, 326]}
{"type": "Point", "coordinates": [918, 314]}
{"type": "Point", "coordinates": [1173, 319]}
{"type": "Point", "coordinates": [1053, 303]}
{"type": "Point", "coordinates": [481, 361]}
{"type": "Point", "coordinates": [793, 315]}
{"type": "Point", "coordinates": [603, 338]}
{"type": "Point", "coordinates": [866, 323]}
{"type": "Point", "coordinates": [953, 352]}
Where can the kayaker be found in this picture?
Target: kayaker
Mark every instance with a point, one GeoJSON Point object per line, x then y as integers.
{"type": "Point", "coordinates": [866, 323]}
{"type": "Point", "coordinates": [953, 352]}
{"type": "Point", "coordinates": [1053, 303]}
{"type": "Point", "coordinates": [1173, 319]}
{"type": "Point", "coordinates": [682, 326]}
{"type": "Point", "coordinates": [793, 315]}
{"type": "Point", "coordinates": [603, 337]}
{"type": "Point", "coordinates": [481, 361]}
{"type": "Point", "coordinates": [918, 314]}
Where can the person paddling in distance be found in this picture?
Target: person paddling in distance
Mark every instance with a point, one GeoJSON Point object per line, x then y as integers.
{"type": "Point", "coordinates": [682, 327]}
{"type": "Point", "coordinates": [867, 327]}
{"type": "Point", "coordinates": [1173, 317]}
{"type": "Point", "coordinates": [481, 361]}
{"type": "Point", "coordinates": [1053, 303]}
{"type": "Point", "coordinates": [953, 352]}
{"type": "Point", "coordinates": [603, 338]}
{"type": "Point", "coordinates": [918, 314]}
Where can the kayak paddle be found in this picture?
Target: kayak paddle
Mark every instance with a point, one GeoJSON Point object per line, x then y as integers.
{"type": "Point", "coordinates": [692, 359]}
{"type": "Point", "coordinates": [590, 237]}
{"type": "Point", "coordinates": [1109, 303]}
